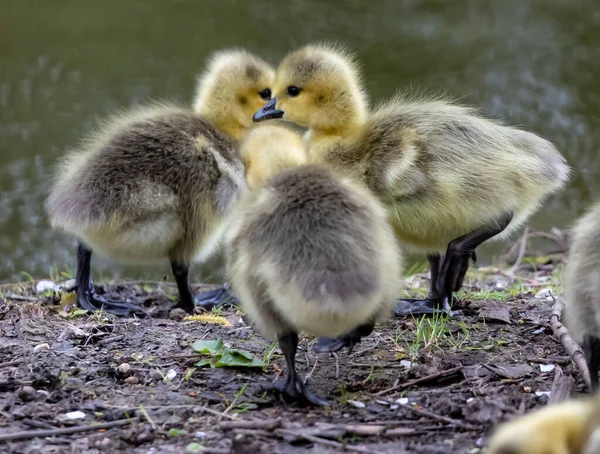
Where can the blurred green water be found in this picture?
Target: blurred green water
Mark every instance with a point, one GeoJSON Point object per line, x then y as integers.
{"type": "Point", "coordinates": [65, 63]}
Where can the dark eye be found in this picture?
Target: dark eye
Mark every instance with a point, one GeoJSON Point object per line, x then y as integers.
{"type": "Point", "coordinates": [293, 91]}
{"type": "Point", "coordinates": [265, 94]}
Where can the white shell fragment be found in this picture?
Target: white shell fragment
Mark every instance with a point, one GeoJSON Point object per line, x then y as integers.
{"type": "Point", "coordinates": [547, 367]}
{"type": "Point", "coordinates": [39, 347]}
{"type": "Point", "coordinates": [402, 401]}
{"type": "Point", "coordinates": [406, 363]}
{"type": "Point", "coordinates": [170, 375]}
{"type": "Point", "coordinates": [72, 415]}
{"type": "Point", "coordinates": [356, 404]}
{"type": "Point", "coordinates": [542, 393]}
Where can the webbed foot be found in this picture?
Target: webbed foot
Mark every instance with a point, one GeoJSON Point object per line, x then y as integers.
{"type": "Point", "coordinates": [296, 391]}
{"type": "Point", "coordinates": [221, 296]}
{"type": "Point", "coordinates": [432, 305]}
{"type": "Point", "coordinates": [349, 339]}
{"type": "Point", "coordinates": [92, 303]}
{"type": "Point", "coordinates": [86, 297]}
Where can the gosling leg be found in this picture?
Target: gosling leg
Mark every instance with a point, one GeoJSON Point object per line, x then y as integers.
{"type": "Point", "coordinates": [221, 296]}
{"type": "Point", "coordinates": [434, 302]}
{"type": "Point", "coordinates": [181, 273]}
{"type": "Point", "coordinates": [349, 339]}
{"type": "Point", "coordinates": [460, 250]}
{"type": "Point", "coordinates": [591, 350]}
{"type": "Point", "coordinates": [85, 289]}
{"type": "Point", "coordinates": [293, 387]}
{"type": "Point", "coordinates": [463, 271]}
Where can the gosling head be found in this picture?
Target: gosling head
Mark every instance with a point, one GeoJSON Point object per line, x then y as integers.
{"type": "Point", "coordinates": [269, 149]}
{"type": "Point", "coordinates": [234, 85]}
{"type": "Point", "coordinates": [318, 86]}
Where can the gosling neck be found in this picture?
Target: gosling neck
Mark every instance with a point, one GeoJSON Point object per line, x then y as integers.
{"type": "Point", "coordinates": [321, 140]}
{"type": "Point", "coordinates": [224, 122]}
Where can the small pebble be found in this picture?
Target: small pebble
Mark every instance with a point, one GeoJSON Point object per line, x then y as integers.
{"type": "Point", "coordinates": [155, 375]}
{"type": "Point", "coordinates": [124, 368]}
{"type": "Point", "coordinates": [542, 393]}
{"type": "Point", "coordinates": [406, 363]}
{"type": "Point", "coordinates": [402, 401]}
{"type": "Point", "coordinates": [200, 435]}
{"type": "Point", "coordinates": [527, 389]}
{"type": "Point", "coordinates": [105, 442]}
{"type": "Point", "coordinates": [177, 314]}
{"type": "Point", "coordinates": [133, 380]}
{"type": "Point", "coordinates": [69, 285]}
{"type": "Point", "coordinates": [27, 393]}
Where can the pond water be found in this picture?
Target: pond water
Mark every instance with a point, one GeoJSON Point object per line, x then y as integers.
{"type": "Point", "coordinates": [65, 64]}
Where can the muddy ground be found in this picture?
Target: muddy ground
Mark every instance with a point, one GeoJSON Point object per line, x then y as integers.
{"type": "Point", "coordinates": [432, 385]}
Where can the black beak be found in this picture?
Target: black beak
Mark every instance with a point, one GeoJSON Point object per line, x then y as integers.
{"type": "Point", "coordinates": [267, 112]}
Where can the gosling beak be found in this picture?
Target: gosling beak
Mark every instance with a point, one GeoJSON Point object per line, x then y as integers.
{"type": "Point", "coordinates": [267, 112]}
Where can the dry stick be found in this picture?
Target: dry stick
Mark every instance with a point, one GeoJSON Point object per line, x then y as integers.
{"type": "Point", "coordinates": [16, 362]}
{"type": "Point", "coordinates": [427, 413]}
{"type": "Point", "coordinates": [10, 296]}
{"type": "Point", "coordinates": [309, 375]}
{"type": "Point", "coordinates": [323, 441]}
{"type": "Point", "coordinates": [522, 250]}
{"type": "Point", "coordinates": [264, 424]}
{"type": "Point", "coordinates": [65, 431]}
{"type": "Point", "coordinates": [562, 334]}
{"type": "Point", "coordinates": [201, 407]}
{"type": "Point", "coordinates": [420, 380]}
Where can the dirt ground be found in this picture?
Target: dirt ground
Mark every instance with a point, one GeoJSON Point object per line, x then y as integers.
{"type": "Point", "coordinates": [432, 385]}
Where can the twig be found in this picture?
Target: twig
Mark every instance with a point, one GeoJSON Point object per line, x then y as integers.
{"type": "Point", "coordinates": [323, 441]}
{"type": "Point", "coordinates": [232, 405]}
{"type": "Point", "coordinates": [563, 336]}
{"type": "Point", "coordinates": [65, 431]}
{"type": "Point", "coordinates": [258, 424]}
{"type": "Point", "coordinates": [201, 407]}
{"type": "Point", "coordinates": [11, 296]}
{"type": "Point", "coordinates": [427, 413]}
{"type": "Point", "coordinates": [109, 340]}
{"type": "Point", "coordinates": [521, 254]}
{"type": "Point", "coordinates": [420, 380]}
{"type": "Point", "coordinates": [16, 362]}
{"type": "Point", "coordinates": [309, 375]}
{"type": "Point", "coordinates": [147, 416]}
{"type": "Point", "coordinates": [337, 365]}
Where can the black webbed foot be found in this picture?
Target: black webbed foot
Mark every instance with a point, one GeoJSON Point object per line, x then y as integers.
{"type": "Point", "coordinates": [86, 297]}
{"type": "Point", "coordinates": [292, 387]}
{"type": "Point", "coordinates": [411, 306]}
{"type": "Point", "coordinates": [221, 296]}
{"type": "Point", "coordinates": [349, 339]}
{"type": "Point", "coordinates": [92, 303]}
{"type": "Point", "coordinates": [296, 391]}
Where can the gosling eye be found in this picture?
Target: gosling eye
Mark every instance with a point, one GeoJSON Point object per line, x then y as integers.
{"type": "Point", "coordinates": [265, 94]}
{"type": "Point", "coordinates": [293, 91]}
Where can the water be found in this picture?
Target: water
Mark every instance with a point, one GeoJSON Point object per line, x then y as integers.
{"type": "Point", "coordinates": [63, 64]}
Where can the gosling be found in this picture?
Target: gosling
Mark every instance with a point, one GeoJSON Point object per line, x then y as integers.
{"type": "Point", "coordinates": [157, 182]}
{"type": "Point", "coordinates": [582, 284]}
{"type": "Point", "coordinates": [307, 250]}
{"type": "Point", "coordinates": [571, 427]}
{"type": "Point", "coordinates": [448, 177]}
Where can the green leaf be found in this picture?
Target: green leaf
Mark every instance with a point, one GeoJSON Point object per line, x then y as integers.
{"type": "Point", "coordinates": [209, 347]}
{"type": "Point", "coordinates": [194, 447]}
{"type": "Point", "coordinates": [77, 312]}
{"type": "Point", "coordinates": [203, 362]}
{"type": "Point", "coordinates": [239, 358]}
{"type": "Point", "coordinates": [177, 432]}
